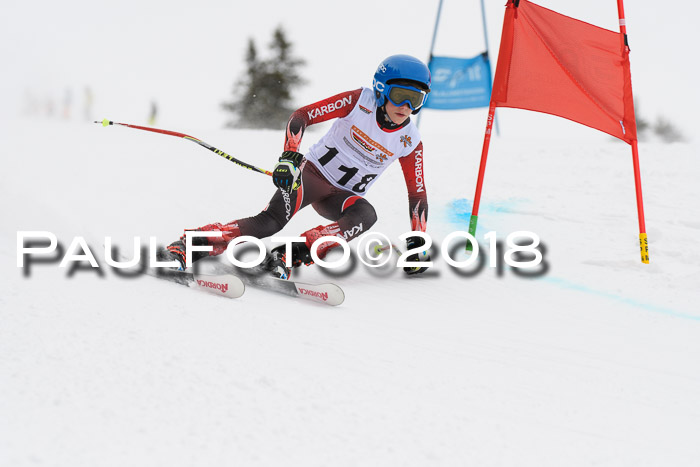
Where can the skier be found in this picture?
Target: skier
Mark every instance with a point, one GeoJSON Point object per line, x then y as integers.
{"type": "Point", "coordinates": [372, 129]}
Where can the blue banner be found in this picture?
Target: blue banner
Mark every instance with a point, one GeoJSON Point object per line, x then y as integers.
{"type": "Point", "coordinates": [459, 83]}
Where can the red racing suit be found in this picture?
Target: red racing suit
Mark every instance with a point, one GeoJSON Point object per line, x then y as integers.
{"type": "Point", "coordinates": [339, 169]}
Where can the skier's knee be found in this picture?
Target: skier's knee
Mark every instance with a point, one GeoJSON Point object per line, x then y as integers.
{"type": "Point", "coordinates": [371, 216]}
{"type": "Point", "coordinates": [364, 213]}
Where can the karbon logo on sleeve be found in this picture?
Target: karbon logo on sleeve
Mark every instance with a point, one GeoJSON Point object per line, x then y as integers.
{"type": "Point", "coordinates": [419, 172]}
{"type": "Point", "coordinates": [330, 107]}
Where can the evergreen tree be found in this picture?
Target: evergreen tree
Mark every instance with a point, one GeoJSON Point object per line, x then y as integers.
{"type": "Point", "coordinates": [643, 124]}
{"type": "Point", "coordinates": [662, 128]}
{"type": "Point", "coordinates": [263, 96]}
{"type": "Point", "coordinates": [668, 132]}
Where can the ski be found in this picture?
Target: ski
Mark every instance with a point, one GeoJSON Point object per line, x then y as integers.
{"type": "Point", "coordinates": [230, 281]}
{"type": "Point", "coordinates": [233, 285]}
{"type": "Point", "coordinates": [226, 285]}
{"type": "Point", "coordinates": [223, 284]}
{"type": "Point", "coordinates": [326, 293]}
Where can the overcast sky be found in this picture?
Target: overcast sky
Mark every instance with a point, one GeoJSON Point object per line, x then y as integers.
{"type": "Point", "coordinates": [188, 57]}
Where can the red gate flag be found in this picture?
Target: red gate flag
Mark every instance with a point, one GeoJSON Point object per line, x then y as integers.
{"type": "Point", "coordinates": [558, 65]}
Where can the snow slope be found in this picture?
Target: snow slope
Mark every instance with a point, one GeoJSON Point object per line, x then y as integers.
{"type": "Point", "coordinates": [593, 363]}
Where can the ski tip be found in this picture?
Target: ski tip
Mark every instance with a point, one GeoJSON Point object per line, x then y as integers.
{"type": "Point", "coordinates": [335, 294]}
{"type": "Point", "coordinates": [341, 297]}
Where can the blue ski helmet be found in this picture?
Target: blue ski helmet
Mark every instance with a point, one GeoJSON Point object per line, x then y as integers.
{"type": "Point", "coordinates": [403, 70]}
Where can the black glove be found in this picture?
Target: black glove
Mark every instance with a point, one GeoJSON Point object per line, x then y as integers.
{"type": "Point", "coordinates": [416, 242]}
{"type": "Point", "coordinates": [286, 174]}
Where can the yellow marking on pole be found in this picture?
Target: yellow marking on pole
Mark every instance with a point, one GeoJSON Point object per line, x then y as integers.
{"type": "Point", "coordinates": [644, 247]}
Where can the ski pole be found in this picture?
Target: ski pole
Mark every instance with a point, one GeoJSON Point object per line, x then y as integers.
{"type": "Point", "coordinates": [379, 249]}
{"type": "Point", "coordinates": [106, 122]}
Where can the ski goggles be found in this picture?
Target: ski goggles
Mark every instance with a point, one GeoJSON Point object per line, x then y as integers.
{"type": "Point", "coordinates": [400, 95]}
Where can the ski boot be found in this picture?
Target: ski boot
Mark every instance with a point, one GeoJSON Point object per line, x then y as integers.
{"type": "Point", "coordinates": [173, 252]}
{"type": "Point", "coordinates": [314, 234]}
{"type": "Point", "coordinates": [176, 251]}
{"type": "Point", "coordinates": [276, 261]}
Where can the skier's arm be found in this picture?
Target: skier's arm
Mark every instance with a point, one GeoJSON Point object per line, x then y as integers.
{"type": "Point", "coordinates": [336, 106]}
{"type": "Point", "coordinates": [412, 166]}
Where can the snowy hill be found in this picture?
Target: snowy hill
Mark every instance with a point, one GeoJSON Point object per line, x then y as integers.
{"type": "Point", "coordinates": [594, 362]}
